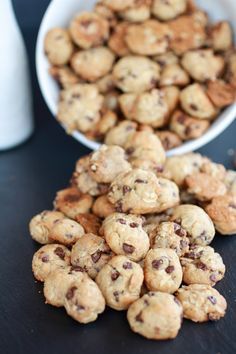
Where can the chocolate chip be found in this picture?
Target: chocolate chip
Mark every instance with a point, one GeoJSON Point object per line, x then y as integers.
{"type": "Point", "coordinates": [181, 118]}
{"type": "Point", "coordinates": [127, 265]}
{"type": "Point", "coordinates": [138, 180]}
{"type": "Point", "coordinates": [133, 224]}
{"type": "Point", "coordinates": [201, 265]}
{"type": "Point", "coordinates": [76, 95]}
{"type": "Point", "coordinates": [119, 206]}
{"type": "Point", "coordinates": [232, 205]}
{"type": "Point", "coordinates": [183, 244]}
{"type": "Point", "coordinates": [126, 189]}
{"type": "Point", "coordinates": [128, 248]}
{"type": "Point", "coordinates": [213, 278]}
{"type": "Point", "coordinates": [146, 302]}
{"type": "Point", "coordinates": [45, 259]}
{"type": "Point", "coordinates": [86, 23]}
{"type": "Point", "coordinates": [129, 151]}
{"type": "Point", "coordinates": [138, 318]}
{"type": "Point", "coordinates": [96, 256]}
{"type": "Point", "coordinates": [75, 269]}
{"type": "Point", "coordinates": [121, 221]}
{"type": "Point", "coordinates": [157, 263]}
{"type": "Point", "coordinates": [116, 295]}
{"type": "Point", "coordinates": [193, 107]}
{"type": "Point", "coordinates": [114, 275]}
{"type": "Point", "coordinates": [212, 299]}
{"type": "Point", "coordinates": [70, 293]}
{"type": "Point", "coordinates": [79, 308]}
{"type": "Point", "coordinates": [178, 230]}
{"type": "Point", "coordinates": [159, 169]}
{"type": "Point", "coordinates": [170, 269]}
{"type": "Point", "coordinates": [60, 252]}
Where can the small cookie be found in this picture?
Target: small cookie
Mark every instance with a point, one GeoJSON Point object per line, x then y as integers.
{"type": "Point", "coordinates": [79, 107]}
{"type": "Point", "coordinates": [201, 303]}
{"type": "Point", "coordinates": [220, 93]}
{"type": "Point", "coordinates": [148, 38]}
{"type": "Point", "coordinates": [119, 5]}
{"type": "Point", "coordinates": [107, 163]}
{"type": "Point", "coordinates": [136, 74]}
{"type": "Point", "coordinates": [221, 36]}
{"type": "Point", "coordinates": [204, 187]}
{"type": "Point", "coordinates": [196, 222]}
{"type": "Point", "coordinates": [187, 127]}
{"type": "Point", "coordinates": [58, 46]}
{"type": "Point", "coordinates": [71, 202]}
{"type": "Point", "coordinates": [203, 65]}
{"type": "Point", "coordinates": [125, 235]}
{"type": "Point", "coordinates": [162, 270]}
{"type": "Point", "coordinates": [49, 258]}
{"type": "Point", "coordinates": [90, 222]}
{"type": "Point", "coordinates": [168, 10]}
{"type": "Point", "coordinates": [173, 74]}
{"type": "Point", "coordinates": [117, 40]}
{"type": "Point", "coordinates": [89, 29]}
{"type": "Point", "coordinates": [120, 133]}
{"type": "Point", "coordinates": [195, 102]}
{"type": "Point", "coordinates": [92, 64]}
{"type": "Point", "coordinates": [66, 231]}
{"type": "Point", "coordinates": [169, 140]}
{"type": "Point", "coordinates": [102, 207]}
{"type": "Point", "coordinates": [156, 315]}
{"type": "Point", "coordinates": [91, 253]}
{"type": "Point", "coordinates": [107, 121]}
{"type": "Point", "coordinates": [105, 84]}
{"type": "Point", "coordinates": [166, 59]}
{"type": "Point", "coordinates": [41, 224]}
{"type": "Point", "coordinates": [138, 13]}
{"type": "Point", "coordinates": [170, 235]}
{"type": "Point", "coordinates": [202, 265]}
{"type": "Point", "coordinates": [222, 211]}
{"type": "Point", "coordinates": [120, 281]}
{"type": "Point", "coordinates": [141, 192]}
{"type": "Point", "coordinates": [64, 76]}
{"type": "Point", "coordinates": [84, 300]}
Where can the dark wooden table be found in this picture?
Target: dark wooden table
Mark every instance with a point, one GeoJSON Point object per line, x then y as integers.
{"type": "Point", "coordinates": [29, 177]}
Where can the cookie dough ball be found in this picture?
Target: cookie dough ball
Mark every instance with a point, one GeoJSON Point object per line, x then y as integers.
{"type": "Point", "coordinates": [220, 93]}
{"type": "Point", "coordinates": [196, 222]}
{"type": "Point", "coordinates": [58, 282]}
{"type": "Point", "coordinates": [119, 5]}
{"type": "Point", "coordinates": [195, 102]}
{"type": "Point", "coordinates": [202, 265]}
{"type": "Point", "coordinates": [187, 127]}
{"type": "Point", "coordinates": [201, 303]}
{"type": "Point", "coordinates": [139, 13]}
{"type": "Point", "coordinates": [141, 192]}
{"type": "Point", "coordinates": [170, 235]}
{"type": "Point", "coordinates": [204, 187]}
{"type": "Point", "coordinates": [91, 253]}
{"type": "Point", "coordinates": [169, 140]}
{"type": "Point", "coordinates": [71, 202]}
{"type": "Point", "coordinates": [187, 33]}
{"type": "Point", "coordinates": [162, 270]}
{"type": "Point", "coordinates": [177, 168]}
{"type": "Point", "coordinates": [167, 10]}
{"type": "Point", "coordinates": [41, 224]}
{"type": "Point", "coordinates": [49, 258]}
{"type": "Point", "coordinates": [93, 63]}
{"type": "Point", "coordinates": [121, 133]}
{"type": "Point", "coordinates": [58, 46]}
{"type": "Point", "coordinates": [79, 107]}
{"type": "Point", "coordinates": [66, 231]}
{"type": "Point", "coordinates": [222, 211]}
{"type": "Point", "coordinates": [149, 38]}
{"type": "Point", "coordinates": [90, 222]}
{"type": "Point", "coordinates": [221, 36]}
{"type": "Point", "coordinates": [64, 76]}
{"type": "Point", "coordinates": [84, 300]}
{"type": "Point", "coordinates": [107, 163]}
{"type": "Point", "coordinates": [156, 315]}
{"type": "Point", "coordinates": [117, 40]}
{"type": "Point", "coordinates": [89, 29]}
{"type": "Point", "coordinates": [102, 207]}
{"type": "Point", "coordinates": [136, 74]}
{"type": "Point", "coordinates": [125, 235]}
{"type": "Point", "coordinates": [173, 74]}
{"type": "Point", "coordinates": [120, 281]}
{"type": "Point", "coordinates": [203, 65]}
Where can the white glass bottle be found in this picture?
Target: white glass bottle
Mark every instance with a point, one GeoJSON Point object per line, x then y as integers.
{"type": "Point", "coordinates": [16, 117]}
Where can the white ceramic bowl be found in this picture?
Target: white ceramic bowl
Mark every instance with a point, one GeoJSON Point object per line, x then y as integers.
{"type": "Point", "coordinates": [60, 12]}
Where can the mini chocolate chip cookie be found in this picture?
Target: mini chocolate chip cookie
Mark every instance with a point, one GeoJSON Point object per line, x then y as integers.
{"type": "Point", "coordinates": [168, 10]}
{"type": "Point", "coordinates": [64, 76]}
{"type": "Point", "coordinates": [174, 74]}
{"type": "Point", "coordinates": [66, 231]}
{"type": "Point", "coordinates": [138, 13]}
{"type": "Point", "coordinates": [117, 40]}
{"type": "Point", "coordinates": [121, 133]}
{"type": "Point", "coordinates": [58, 46]}
{"type": "Point", "coordinates": [169, 140]}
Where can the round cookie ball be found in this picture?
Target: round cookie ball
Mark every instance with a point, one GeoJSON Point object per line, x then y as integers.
{"type": "Point", "coordinates": [58, 46]}
{"type": "Point", "coordinates": [66, 231]}
{"type": "Point", "coordinates": [156, 315]}
{"type": "Point", "coordinates": [120, 133]}
{"type": "Point", "coordinates": [120, 281]}
{"type": "Point", "coordinates": [167, 10]}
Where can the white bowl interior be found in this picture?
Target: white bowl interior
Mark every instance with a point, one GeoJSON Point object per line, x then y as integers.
{"type": "Point", "coordinates": [60, 12]}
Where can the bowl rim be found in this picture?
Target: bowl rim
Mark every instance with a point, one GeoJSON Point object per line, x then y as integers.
{"type": "Point", "coordinates": [217, 127]}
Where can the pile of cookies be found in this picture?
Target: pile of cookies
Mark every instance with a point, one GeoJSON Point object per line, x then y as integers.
{"type": "Point", "coordinates": [132, 231]}
{"type": "Point", "coordinates": [137, 65]}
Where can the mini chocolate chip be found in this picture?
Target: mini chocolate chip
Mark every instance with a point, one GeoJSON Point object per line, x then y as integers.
{"type": "Point", "coordinates": [133, 224]}
{"type": "Point", "coordinates": [170, 269]}
{"type": "Point", "coordinates": [212, 299]}
{"type": "Point", "coordinates": [179, 231]}
{"type": "Point", "coordinates": [153, 82]}
{"type": "Point", "coordinates": [79, 308]}
{"type": "Point", "coordinates": [159, 169]}
{"type": "Point", "coordinates": [177, 221]}
{"type": "Point", "coordinates": [118, 206]}
{"type": "Point", "coordinates": [181, 118]}
{"type": "Point", "coordinates": [138, 318]}
{"type": "Point", "coordinates": [60, 252]}
{"type": "Point", "coordinates": [127, 265]}
{"type": "Point", "coordinates": [114, 275]}
{"type": "Point", "coordinates": [96, 256]}
{"type": "Point", "coordinates": [45, 259]}
{"type": "Point", "coordinates": [121, 221]}
{"type": "Point", "coordinates": [146, 302]}
{"type": "Point", "coordinates": [86, 23]}
{"type": "Point", "coordinates": [116, 295]}
{"type": "Point", "coordinates": [193, 106]}
{"type": "Point", "coordinates": [232, 205]}
{"type": "Point", "coordinates": [213, 278]}
{"type": "Point", "coordinates": [75, 269]}
{"type": "Point", "coordinates": [126, 189]}
{"type": "Point", "coordinates": [129, 151]}
{"type": "Point", "coordinates": [138, 180]}
{"type": "Point", "coordinates": [151, 293]}
{"type": "Point", "coordinates": [201, 265]}
{"type": "Point", "coordinates": [76, 95]}
{"type": "Point", "coordinates": [157, 263]}
{"type": "Point", "coordinates": [70, 293]}
{"type": "Point", "coordinates": [128, 248]}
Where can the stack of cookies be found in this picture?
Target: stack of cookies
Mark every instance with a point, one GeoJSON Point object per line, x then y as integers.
{"type": "Point", "coordinates": [132, 231]}
{"type": "Point", "coordinates": [153, 65]}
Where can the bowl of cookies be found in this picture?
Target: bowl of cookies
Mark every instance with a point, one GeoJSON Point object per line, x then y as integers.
{"type": "Point", "coordinates": [112, 68]}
